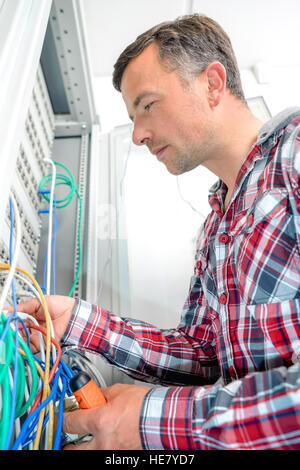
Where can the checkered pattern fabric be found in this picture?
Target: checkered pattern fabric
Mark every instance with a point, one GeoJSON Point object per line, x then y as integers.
{"type": "Point", "coordinates": [240, 322]}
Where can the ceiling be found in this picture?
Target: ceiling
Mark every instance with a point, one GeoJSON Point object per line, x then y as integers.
{"type": "Point", "coordinates": [260, 30]}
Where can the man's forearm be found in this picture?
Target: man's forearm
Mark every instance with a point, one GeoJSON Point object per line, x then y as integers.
{"type": "Point", "coordinates": [260, 411]}
{"type": "Point", "coordinates": [141, 350]}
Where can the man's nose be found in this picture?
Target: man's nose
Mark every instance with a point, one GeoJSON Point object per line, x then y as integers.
{"type": "Point", "coordinates": [141, 135]}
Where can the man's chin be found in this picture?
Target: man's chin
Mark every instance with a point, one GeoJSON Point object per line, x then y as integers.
{"type": "Point", "coordinates": [177, 170]}
{"type": "Point", "coordinates": [172, 170]}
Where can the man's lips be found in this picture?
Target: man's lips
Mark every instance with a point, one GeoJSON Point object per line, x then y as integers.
{"type": "Point", "coordinates": [159, 151]}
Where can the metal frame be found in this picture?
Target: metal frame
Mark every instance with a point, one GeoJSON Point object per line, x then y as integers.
{"type": "Point", "coordinates": [82, 180]}
{"type": "Point", "coordinates": [92, 235]}
{"type": "Point", "coordinates": [69, 37]}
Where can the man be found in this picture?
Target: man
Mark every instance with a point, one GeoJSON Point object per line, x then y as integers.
{"type": "Point", "coordinates": [182, 90]}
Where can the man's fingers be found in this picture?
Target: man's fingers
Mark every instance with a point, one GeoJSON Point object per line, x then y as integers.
{"type": "Point", "coordinates": [31, 306]}
{"type": "Point", "coordinates": [79, 421]}
{"type": "Point", "coordinates": [113, 391]}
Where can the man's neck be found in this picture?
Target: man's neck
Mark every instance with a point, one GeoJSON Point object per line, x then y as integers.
{"type": "Point", "coordinates": [238, 134]}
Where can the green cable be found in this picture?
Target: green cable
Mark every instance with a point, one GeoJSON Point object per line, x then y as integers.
{"type": "Point", "coordinates": [21, 380]}
{"type": "Point", "coordinates": [62, 179]}
{"type": "Point", "coordinates": [5, 385]}
{"type": "Point", "coordinates": [34, 378]}
{"type": "Point", "coordinates": [8, 344]}
{"type": "Point", "coordinates": [5, 382]}
{"type": "Point", "coordinates": [5, 413]}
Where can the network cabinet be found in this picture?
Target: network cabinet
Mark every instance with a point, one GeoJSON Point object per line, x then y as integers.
{"type": "Point", "coordinates": [50, 135]}
{"type": "Point", "coordinates": [57, 126]}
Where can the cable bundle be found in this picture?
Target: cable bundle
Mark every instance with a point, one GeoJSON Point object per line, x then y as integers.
{"type": "Point", "coordinates": [58, 179]}
{"type": "Point", "coordinates": [34, 387]}
{"type": "Point", "coordinates": [30, 387]}
{"type": "Point", "coordinates": [24, 418]}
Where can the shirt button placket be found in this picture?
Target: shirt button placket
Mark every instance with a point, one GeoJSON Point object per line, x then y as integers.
{"type": "Point", "coordinates": [223, 239]}
{"type": "Point", "coordinates": [198, 267]}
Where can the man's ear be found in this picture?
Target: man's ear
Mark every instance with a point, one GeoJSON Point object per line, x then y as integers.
{"type": "Point", "coordinates": [216, 82]}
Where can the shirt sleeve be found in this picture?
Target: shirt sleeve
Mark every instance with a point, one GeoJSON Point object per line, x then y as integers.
{"type": "Point", "coordinates": [169, 357]}
{"type": "Point", "coordinates": [259, 412]}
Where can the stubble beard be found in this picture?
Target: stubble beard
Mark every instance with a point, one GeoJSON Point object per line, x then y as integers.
{"type": "Point", "coordinates": [187, 159]}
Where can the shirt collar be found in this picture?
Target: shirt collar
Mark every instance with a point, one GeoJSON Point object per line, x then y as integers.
{"type": "Point", "coordinates": [267, 137]}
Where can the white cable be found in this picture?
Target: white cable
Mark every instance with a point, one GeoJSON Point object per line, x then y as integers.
{"type": "Point", "coordinates": [186, 201]}
{"type": "Point", "coordinates": [49, 257]}
{"type": "Point", "coordinates": [26, 316]}
{"type": "Point", "coordinates": [15, 255]}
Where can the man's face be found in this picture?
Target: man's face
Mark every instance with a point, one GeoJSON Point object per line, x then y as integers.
{"type": "Point", "coordinates": [172, 119]}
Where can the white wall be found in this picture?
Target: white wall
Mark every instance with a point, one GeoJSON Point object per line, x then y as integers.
{"type": "Point", "coordinates": [161, 227]}
{"type": "Point", "coordinates": [282, 91]}
{"type": "Point", "coordinates": [265, 30]}
{"type": "Point", "coordinates": [161, 231]}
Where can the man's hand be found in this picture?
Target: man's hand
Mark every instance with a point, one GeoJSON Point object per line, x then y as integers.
{"type": "Point", "coordinates": [60, 309]}
{"type": "Point", "coordinates": [114, 426]}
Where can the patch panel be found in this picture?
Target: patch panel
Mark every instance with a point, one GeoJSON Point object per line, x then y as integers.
{"type": "Point", "coordinates": [35, 146]}
{"type": "Point", "coordinates": [42, 92]}
{"type": "Point", "coordinates": [38, 129]}
{"type": "Point", "coordinates": [29, 245]}
{"type": "Point", "coordinates": [48, 132]}
{"type": "Point", "coordinates": [27, 227]}
{"type": "Point", "coordinates": [29, 236]}
{"type": "Point", "coordinates": [34, 141]}
{"type": "Point", "coordinates": [21, 286]}
{"type": "Point", "coordinates": [29, 182]}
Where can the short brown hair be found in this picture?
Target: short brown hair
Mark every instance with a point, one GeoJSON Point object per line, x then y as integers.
{"type": "Point", "coordinates": [187, 45]}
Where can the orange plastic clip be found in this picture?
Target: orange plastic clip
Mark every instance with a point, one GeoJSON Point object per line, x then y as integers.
{"type": "Point", "coordinates": [86, 391]}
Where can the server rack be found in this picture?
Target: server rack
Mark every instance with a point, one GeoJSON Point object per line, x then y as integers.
{"type": "Point", "coordinates": [47, 114]}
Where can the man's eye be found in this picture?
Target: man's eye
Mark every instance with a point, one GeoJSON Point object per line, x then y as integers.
{"type": "Point", "coordinates": [148, 106]}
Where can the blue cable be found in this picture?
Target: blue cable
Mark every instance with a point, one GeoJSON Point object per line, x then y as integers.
{"type": "Point", "coordinates": [57, 441]}
{"type": "Point", "coordinates": [30, 434]}
{"type": "Point", "coordinates": [69, 371]}
{"type": "Point", "coordinates": [26, 331]}
{"type": "Point", "coordinates": [32, 415]}
{"type": "Point", "coordinates": [7, 325]}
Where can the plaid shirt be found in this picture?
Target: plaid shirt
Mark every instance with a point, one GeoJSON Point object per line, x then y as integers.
{"type": "Point", "coordinates": [240, 321]}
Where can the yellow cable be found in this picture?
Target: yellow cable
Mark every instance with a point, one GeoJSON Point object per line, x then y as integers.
{"type": "Point", "coordinates": [51, 409]}
{"type": "Point", "coordinates": [6, 267]}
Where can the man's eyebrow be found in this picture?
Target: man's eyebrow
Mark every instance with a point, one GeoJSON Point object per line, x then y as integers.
{"type": "Point", "coordinates": [140, 97]}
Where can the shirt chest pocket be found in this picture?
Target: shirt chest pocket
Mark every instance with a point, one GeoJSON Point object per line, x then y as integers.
{"type": "Point", "coordinates": [263, 243]}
